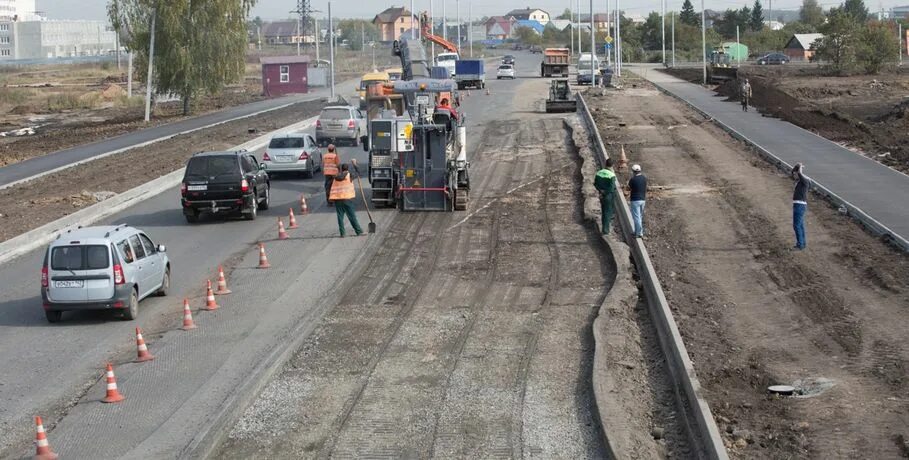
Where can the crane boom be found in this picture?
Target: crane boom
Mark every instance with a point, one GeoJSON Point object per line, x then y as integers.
{"type": "Point", "coordinates": [426, 31]}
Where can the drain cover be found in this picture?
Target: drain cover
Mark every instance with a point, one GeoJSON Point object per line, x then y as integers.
{"type": "Point", "coordinates": [784, 390]}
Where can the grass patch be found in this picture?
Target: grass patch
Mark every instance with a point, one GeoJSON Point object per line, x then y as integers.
{"type": "Point", "coordinates": [72, 101]}
{"type": "Point", "coordinates": [14, 96]}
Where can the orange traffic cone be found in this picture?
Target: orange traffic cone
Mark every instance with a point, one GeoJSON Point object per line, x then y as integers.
{"type": "Point", "coordinates": [222, 283]}
{"type": "Point", "coordinates": [188, 323]}
{"type": "Point", "coordinates": [210, 303]}
{"type": "Point", "coordinates": [113, 395]}
{"type": "Point", "coordinates": [303, 208]}
{"type": "Point", "coordinates": [43, 450]}
{"type": "Point", "coordinates": [623, 159]}
{"type": "Point", "coordinates": [291, 220]}
{"type": "Point", "coordinates": [263, 260]}
{"type": "Point", "coordinates": [282, 234]}
{"type": "Point", "coordinates": [143, 353]}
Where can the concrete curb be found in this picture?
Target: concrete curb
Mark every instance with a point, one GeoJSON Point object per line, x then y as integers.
{"type": "Point", "coordinates": [867, 221]}
{"type": "Point", "coordinates": [689, 395]}
{"type": "Point", "coordinates": [28, 241]}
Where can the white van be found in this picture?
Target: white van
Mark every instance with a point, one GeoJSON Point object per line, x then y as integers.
{"type": "Point", "coordinates": [588, 68]}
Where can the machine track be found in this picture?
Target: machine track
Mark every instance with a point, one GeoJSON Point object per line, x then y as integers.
{"type": "Point", "coordinates": [470, 334]}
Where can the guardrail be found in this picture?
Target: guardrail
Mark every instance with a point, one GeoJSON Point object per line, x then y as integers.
{"type": "Point", "coordinates": [873, 225]}
{"type": "Point", "coordinates": [704, 434]}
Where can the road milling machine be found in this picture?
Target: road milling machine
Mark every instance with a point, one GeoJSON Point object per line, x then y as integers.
{"type": "Point", "coordinates": [417, 148]}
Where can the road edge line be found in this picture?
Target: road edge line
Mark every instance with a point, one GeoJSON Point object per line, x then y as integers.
{"type": "Point", "coordinates": [33, 239]}
{"type": "Point", "coordinates": [875, 227]}
{"type": "Point", "coordinates": [681, 369]}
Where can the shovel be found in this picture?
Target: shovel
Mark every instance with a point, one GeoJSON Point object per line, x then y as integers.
{"type": "Point", "coordinates": [372, 223]}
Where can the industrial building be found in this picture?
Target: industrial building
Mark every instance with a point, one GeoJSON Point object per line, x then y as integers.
{"type": "Point", "coordinates": [49, 39]}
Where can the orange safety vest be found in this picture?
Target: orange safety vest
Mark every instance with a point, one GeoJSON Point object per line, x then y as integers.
{"type": "Point", "coordinates": [330, 164]}
{"type": "Point", "coordinates": [342, 190]}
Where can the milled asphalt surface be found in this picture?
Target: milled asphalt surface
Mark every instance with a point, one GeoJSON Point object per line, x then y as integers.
{"type": "Point", "coordinates": [38, 165]}
{"type": "Point", "coordinates": [879, 191]}
{"type": "Point", "coordinates": [46, 368]}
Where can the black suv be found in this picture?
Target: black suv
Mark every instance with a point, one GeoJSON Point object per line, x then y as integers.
{"type": "Point", "coordinates": [224, 182]}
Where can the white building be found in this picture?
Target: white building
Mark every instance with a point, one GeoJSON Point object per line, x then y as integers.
{"type": "Point", "coordinates": [44, 39]}
{"type": "Point", "coordinates": [22, 10]}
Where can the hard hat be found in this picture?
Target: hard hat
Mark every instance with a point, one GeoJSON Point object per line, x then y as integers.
{"type": "Point", "coordinates": [331, 147]}
{"type": "Point", "coordinates": [636, 168]}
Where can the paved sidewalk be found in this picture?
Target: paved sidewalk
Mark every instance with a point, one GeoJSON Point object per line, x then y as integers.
{"type": "Point", "coordinates": [42, 164]}
{"type": "Point", "coordinates": [876, 190]}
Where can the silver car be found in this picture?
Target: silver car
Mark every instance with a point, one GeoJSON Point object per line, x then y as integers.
{"type": "Point", "coordinates": [340, 122]}
{"type": "Point", "coordinates": [295, 152]}
{"type": "Point", "coordinates": [102, 268]}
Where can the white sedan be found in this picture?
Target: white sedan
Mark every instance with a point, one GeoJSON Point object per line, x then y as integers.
{"type": "Point", "coordinates": [505, 71]}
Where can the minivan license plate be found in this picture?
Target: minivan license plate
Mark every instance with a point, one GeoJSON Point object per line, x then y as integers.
{"type": "Point", "coordinates": [69, 284]}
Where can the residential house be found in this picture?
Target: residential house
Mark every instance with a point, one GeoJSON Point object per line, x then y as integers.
{"type": "Point", "coordinates": [499, 27]}
{"type": "Point", "coordinates": [393, 22]}
{"type": "Point", "coordinates": [530, 14]}
{"type": "Point", "coordinates": [280, 32]}
{"type": "Point", "coordinates": [559, 24]}
{"type": "Point", "coordinates": [600, 21]}
{"type": "Point", "coordinates": [801, 46]}
{"type": "Point", "coordinates": [535, 25]}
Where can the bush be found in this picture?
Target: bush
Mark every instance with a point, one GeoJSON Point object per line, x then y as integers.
{"type": "Point", "coordinates": [876, 47]}
{"type": "Point", "coordinates": [72, 101]}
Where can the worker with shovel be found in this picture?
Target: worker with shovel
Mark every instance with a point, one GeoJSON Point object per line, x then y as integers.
{"type": "Point", "coordinates": [342, 194]}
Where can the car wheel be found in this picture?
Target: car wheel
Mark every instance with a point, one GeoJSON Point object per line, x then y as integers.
{"type": "Point", "coordinates": [253, 211]}
{"type": "Point", "coordinates": [132, 310]}
{"type": "Point", "coordinates": [267, 201]}
{"type": "Point", "coordinates": [165, 284]}
{"type": "Point", "coordinates": [53, 316]}
{"type": "Point", "coordinates": [192, 218]}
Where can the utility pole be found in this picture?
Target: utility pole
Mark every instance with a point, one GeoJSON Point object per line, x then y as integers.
{"type": "Point", "coordinates": [593, 50]}
{"type": "Point", "coordinates": [571, 28]}
{"type": "Point", "coordinates": [663, 29]}
{"type": "Point", "coordinates": [737, 54]}
{"type": "Point", "coordinates": [331, 50]}
{"type": "Point", "coordinates": [704, 41]}
{"type": "Point", "coordinates": [151, 60]}
{"type": "Point", "coordinates": [618, 34]}
{"type": "Point", "coordinates": [413, 30]}
{"type": "Point", "coordinates": [117, 44]}
{"type": "Point", "coordinates": [432, 30]}
{"type": "Point", "coordinates": [444, 21]}
{"type": "Point", "coordinates": [899, 41]}
{"type": "Point", "coordinates": [129, 74]}
{"type": "Point", "coordinates": [318, 35]}
{"type": "Point", "coordinates": [470, 26]}
{"type": "Point", "coordinates": [673, 39]}
{"type": "Point", "coordinates": [577, 6]}
{"type": "Point", "coordinates": [458, 7]}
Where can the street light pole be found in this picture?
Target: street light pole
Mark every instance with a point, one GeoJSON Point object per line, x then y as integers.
{"type": "Point", "coordinates": [470, 26]}
{"type": "Point", "coordinates": [151, 59]}
{"type": "Point", "coordinates": [432, 29]}
{"type": "Point", "coordinates": [618, 35]}
{"type": "Point", "coordinates": [593, 50]}
{"type": "Point", "coordinates": [318, 35]}
{"type": "Point", "coordinates": [571, 28]}
{"type": "Point", "coordinates": [413, 31]}
{"type": "Point", "coordinates": [737, 58]}
{"type": "Point", "coordinates": [444, 21]}
{"type": "Point", "coordinates": [578, 9]}
{"type": "Point", "coordinates": [458, 7]}
{"type": "Point", "coordinates": [331, 50]}
{"type": "Point", "coordinates": [704, 41]}
{"type": "Point", "coordinates": [673, 39]}
{"type": "Point", "coordinates": [663, 30]}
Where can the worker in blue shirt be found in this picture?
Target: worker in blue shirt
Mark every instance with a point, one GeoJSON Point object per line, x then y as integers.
{"type": "Point", "coordinates": [800, 204]}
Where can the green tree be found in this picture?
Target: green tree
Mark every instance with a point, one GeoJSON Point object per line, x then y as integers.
{"type": "Point", "coordinates": [837, 46]}
{"type": "Point", "coordinates": [688, 16]}
{"type": "Point", "coordinates": [756, 21]}
{"type": "Point", "coordinates": [726, 25]}
{"type": "Point", "coordinates": [651, 32]}
{"type": "Point", "coordinates": [187, 61]}
{"type": "Point", "coordinates": [798, 27]}
{"type": "Point", "coordinates": [857, 9]}
{"type": "Point", "coordinates": [565, 14]}
{"type": "Point", "coordinates": [877, 46]}
{"type": "Point", "coordinates": [528, 36]}
{"type": "Point", "coordinates": [356, 32]}
{"type": "Point", "coordinates": [811, 13]}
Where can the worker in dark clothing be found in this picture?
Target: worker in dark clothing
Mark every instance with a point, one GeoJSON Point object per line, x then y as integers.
{"type": "Point", "coordinates": [746, 95]}
{"type": "Point", "coordinates": [638, 187]}
{"type": "Point", "coordinates": [342, 194]}
{"type": "Point", "coordinates": [800, 204]}
{"type": "Point", "coordinates": [604, 182]}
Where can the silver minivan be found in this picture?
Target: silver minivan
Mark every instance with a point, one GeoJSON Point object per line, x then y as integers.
{"type": "Point", "coordinates": [340, 122]}
{"type": "Point", "coordinates": [102, 268]}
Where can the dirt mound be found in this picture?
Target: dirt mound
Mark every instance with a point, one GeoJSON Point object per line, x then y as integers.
{"type": "Point", "coordinates": [113, 92]}
{"type": "Point", "coordinates": [898, 112]}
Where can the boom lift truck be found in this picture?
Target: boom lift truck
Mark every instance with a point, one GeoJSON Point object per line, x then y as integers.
{"type": "Point", "coordinates": [418, 160]}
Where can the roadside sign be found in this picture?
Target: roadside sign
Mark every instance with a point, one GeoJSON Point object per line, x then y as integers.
{"type": "Point", "coordinates": [607, 46]}
{"type": "Point", "coordinates": [608, 40]}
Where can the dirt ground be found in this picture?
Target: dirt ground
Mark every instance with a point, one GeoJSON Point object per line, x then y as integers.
{"type": "Point", "coordinates": [829, 320]}
{"type": "Point", "coordinates": [469, 335]}
{"type": "Point", "coordinates": [35, 203]}
{"type": "Point", "coordinates": [866, 113]}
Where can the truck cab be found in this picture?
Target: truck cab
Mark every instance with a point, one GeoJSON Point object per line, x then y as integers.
{"type": "Point", "coordinates": [369, 79]}
{"type": "Point", "coordinates": [447, 60]}
{"type": "Point", "coordinates": [588, 68]}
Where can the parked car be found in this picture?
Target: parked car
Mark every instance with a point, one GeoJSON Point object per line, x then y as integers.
{"type": "Point", "coordinates": [224, 183]}
{"type": "Point", "coordinates": [294, 152]}
{"type": "Point", "coordinates": [102, 268]}
{"type": "Point", "coordinates": [508, 59]}
{"type": "Point", "coordinates": [340, 122]}
{"type": "Point", "coordinates": [773, 59]}
{"type": "Point", "coordinates": [505, 71]}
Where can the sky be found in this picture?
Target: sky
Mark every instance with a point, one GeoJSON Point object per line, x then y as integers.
{"type": "Point", "coordinates": [276, 9]}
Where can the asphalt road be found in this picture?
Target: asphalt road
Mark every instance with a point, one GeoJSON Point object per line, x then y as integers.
{"type": "Point", "coordinates": [48, 367]}
{"type": "Point", "coordinates": [38, 165]}
{"type": "Point", "coordinates": [879, 191]}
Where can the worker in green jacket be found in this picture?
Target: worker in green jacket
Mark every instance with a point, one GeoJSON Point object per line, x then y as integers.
{"type": "Point", "coordinates": [604, 182]}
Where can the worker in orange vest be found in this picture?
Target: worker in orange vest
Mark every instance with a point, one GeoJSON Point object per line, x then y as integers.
{"type": "Point", "coordinates": [342, 195]}
{"type": "Point", "coordinates": [330, 164]}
